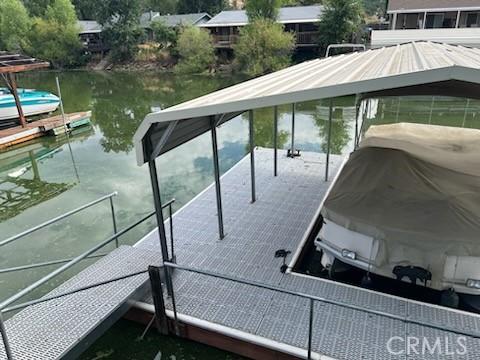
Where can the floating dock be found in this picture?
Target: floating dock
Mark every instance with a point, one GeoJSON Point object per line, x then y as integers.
{"type": "Point", "coordinates": [49, 126]}
{"type": "Point", "coordinates": [251, 321]}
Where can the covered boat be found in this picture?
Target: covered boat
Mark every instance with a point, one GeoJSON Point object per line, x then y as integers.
{"type": "Point", "coordinates": [33, 103]}
{"type": "Point", "coordinates": [406, 205]}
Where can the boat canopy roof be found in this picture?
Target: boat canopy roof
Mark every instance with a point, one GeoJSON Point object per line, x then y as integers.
{"type": "Point", "coordinates": [416, 68]}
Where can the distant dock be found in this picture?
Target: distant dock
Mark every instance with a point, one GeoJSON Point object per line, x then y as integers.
{"type": "Point", "coordinates": [53, 125]}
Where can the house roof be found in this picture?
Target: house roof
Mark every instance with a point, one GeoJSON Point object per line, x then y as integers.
{"type": "Point", "coordinates": [89, 26]}
{"type": "Point", "coordinates": [408, 5]}
{"type": "Point", "coordinates": [422, 68]}
{"type": "Point", "coordinates": [173, 20]}
{"type": "Point", "coordinates": [286, 15]}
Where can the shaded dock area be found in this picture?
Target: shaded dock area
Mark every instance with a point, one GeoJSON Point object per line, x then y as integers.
{"type": "Point", "coordinates": [351, 323]}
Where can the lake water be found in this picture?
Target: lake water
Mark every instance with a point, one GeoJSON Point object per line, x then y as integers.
{"type": "Point", "coordinates": [50, 176]}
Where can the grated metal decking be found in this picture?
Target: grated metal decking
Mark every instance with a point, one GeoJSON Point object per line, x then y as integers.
{"type": "Point", "coordinates": [64, 326]}
{"type": "Point", "coordinates": [278, 220]}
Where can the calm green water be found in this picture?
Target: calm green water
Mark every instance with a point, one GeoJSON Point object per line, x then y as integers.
{"type": "Point", "coordinates": [47, 177]}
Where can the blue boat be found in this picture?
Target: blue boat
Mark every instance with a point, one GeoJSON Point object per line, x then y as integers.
{"type": "Point", "coordinates": [33, 102]}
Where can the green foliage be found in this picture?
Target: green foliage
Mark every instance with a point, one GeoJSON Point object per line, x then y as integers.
{"type": "Point", "coordinates": [375, 7]}
{"type": "Point", "coordinates": [164, 7]}
{"type": "Point", "coordinates": [262, 9]}
{"type": "Point", "coordinates": [164, 35]}
{"type": "Point", "coordinates": [86, 9]}
{"type": "Point", "coordinates": [195, 50]}
{"type": "Point", "coordinates": [339, 22]}
{"type": "Point", "coordinates": [263, 47]}
{"type": "Point", "coordinates": [120, 19]}
{"type": "Point", "coordinates": [14, 25]}
{"type": "Point", "coordinates": [37, 7]}
{"type": "Point", "coordinates": [197, 6]}
{"type": "Point", "coordinates": [55, 36]}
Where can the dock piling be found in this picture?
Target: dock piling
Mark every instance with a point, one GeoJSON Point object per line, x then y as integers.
{"type": "Point", "coordinates": [157, 295]}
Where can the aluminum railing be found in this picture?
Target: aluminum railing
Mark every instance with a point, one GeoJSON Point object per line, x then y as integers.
{"type": "Point", "coordinates": [312, 299]}
{"type": "Point", "coordinates": [4, 305]}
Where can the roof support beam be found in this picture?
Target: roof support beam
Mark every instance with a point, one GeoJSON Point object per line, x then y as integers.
{"type": "Point", "coordinates": [329, 137]}
{"type": "Point", "coordinates": [275, 139]}
{"type": "Point", "coordinates": [12, 86]}
{"type": "Point", "coordinates": [158, 148]}
{"type": "Point", "coordinates": [252, 153]}
{"type": "Point", "coordinates": [216, 169]}
{"type": "Point", "coordinates": [358, 101]}
{"type": "Point", "coordinates": [160, 221]}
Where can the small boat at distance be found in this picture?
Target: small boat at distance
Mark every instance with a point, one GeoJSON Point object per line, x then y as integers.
{"type": "Point", "coordinates": [33, 102]}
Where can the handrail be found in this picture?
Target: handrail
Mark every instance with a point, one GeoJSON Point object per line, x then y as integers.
{"type": "Point", "coordinates": [405, 319]}
{"type": "Point", "coordinates": [72, 262]}
{"type": "Point", "coordinates": [55, 219]}
{"type": "Point", "coordinates": [84, 255]}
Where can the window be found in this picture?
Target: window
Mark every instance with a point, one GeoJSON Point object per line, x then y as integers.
{"type": "Point", "coordinates": [469, 19]}
{"type": "Point", "coordinates": [441, 20]}
{"type": "Point", "coordinates": [409, 21]}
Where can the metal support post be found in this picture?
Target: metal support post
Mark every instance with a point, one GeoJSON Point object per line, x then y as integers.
{"type": "Point", "coordinates": [172, 248]}
{"type": "Point", "coordinates": [3, 332]}
{"type": "Point", "coordinates": [160, 222]}
{"type": "Point", "coordinates": [330, 113]}
{"type": "Point", "coordinates": [252, 153]}
{"type": "Point", "coordinates": [218, 191]}
{"type": "Point", "coordinates": [292, 152]}
{"type": "Point", "coordinates": [275, 140]}
{"type": "Point", "coordinates": [114, 220]}
{"type": "Point", "coordinates": [310, 330]}
{"type": "Point", "coordinates": [157, 295]}
{"type": "Point", "coordinates": [357, 114]}
{"type": "Point", "coordinates": [174, 305]}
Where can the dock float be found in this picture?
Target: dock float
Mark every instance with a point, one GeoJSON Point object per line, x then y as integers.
{"type": "Point", "coordinates": [48, 126]}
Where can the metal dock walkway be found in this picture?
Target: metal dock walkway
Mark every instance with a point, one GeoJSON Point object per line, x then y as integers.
{"type": "Point", "coordinates": [64, 327]}
{"type": "Point", "coordinates": [347, 322]}
{"type": "Point", "coordinates": [278, 220]}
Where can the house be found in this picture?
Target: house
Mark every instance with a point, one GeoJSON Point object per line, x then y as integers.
{"type": "Point", "coordinates": [90, 34]}
{"type": "Point", "coordinates": [301, 20]}
{"type": "Point", "coordinates": [455, 22]}
{"type": "Point", "coordinates": [173, 21]}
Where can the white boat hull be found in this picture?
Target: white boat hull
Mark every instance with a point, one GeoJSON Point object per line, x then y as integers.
{"type": "Point", "coordinates": [28, 110]}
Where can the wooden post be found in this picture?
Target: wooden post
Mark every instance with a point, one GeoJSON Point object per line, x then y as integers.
{"type": "Point", "coordinates": [157, 295]}
{"type": "Point", "coordinates": [13, 89]}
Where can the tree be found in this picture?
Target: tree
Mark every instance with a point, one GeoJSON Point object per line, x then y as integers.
{"type": "Point", "coordinates": [195, 50]}
{"type": "Point", "coordinates": [37, 7]}
{"type": "Point", "coordinates": [86, 9]}
{"type": "Point", "coordinates": [164, 7]}
{"type": "Point", "coordinates": [14, 25]}
{"type": "Point", "coordinates": [375, 7]}
{"type": "Point", "coordinates": [339, 22]}
{"type": "Point", "coordinates": [164, 35]}
{"type": "Point", "coordinates": [263, 47]}
{"type": "Point", "coordinates": [55, 36]}
{"type": "Point", "coordinates": [262, 9]}
{"type": "Point", "coordinates": [210, 6]}
{"type": "Point", "coordinates": [120, 19]}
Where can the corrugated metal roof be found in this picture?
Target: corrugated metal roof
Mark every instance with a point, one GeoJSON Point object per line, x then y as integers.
{"type": "Point", "coordinates": [286, 15]}
{"type": "Point", "coordinates": [173, 20]}
{"type": "Point", "coordinates": [407, 69]}
{"type": "Point", "coordinates": [89, 26]}
{"type": "Point", "coordinates": [396, 5]}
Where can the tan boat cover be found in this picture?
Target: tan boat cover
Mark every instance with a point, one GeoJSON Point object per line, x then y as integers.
{"type": "Point", "coordinates": [416, 189]}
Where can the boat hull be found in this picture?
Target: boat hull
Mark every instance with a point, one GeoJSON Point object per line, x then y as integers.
{"type": "Point", "coordinates": [33, 103]}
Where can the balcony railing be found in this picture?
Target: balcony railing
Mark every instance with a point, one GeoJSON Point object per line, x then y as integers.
{"type": "Point", "coordinates": [305, 38]}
